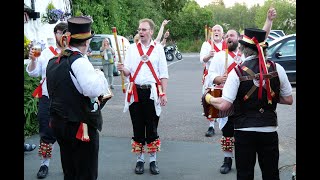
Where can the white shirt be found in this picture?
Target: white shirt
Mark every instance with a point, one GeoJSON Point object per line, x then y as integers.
{"type": "Point", "coordinates": [218, 67]}
{"type": "Point", "coordinates": [41, 66]}
{"type": "Point", "coordinates": [88, 81]}
{"type": "Point", "coordinates": [232, 83]}
{"type": "Point", "coordinates": [205, 50]}
{"type": "Point", "coordinates": [144, 76]}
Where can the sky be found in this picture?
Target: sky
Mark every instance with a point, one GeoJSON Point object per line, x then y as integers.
{"type": "Point", "coordinates": [230, 3]}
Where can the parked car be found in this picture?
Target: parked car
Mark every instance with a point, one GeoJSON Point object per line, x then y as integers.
{"type": "Point", "coordinates": [279, 33]}
{"type": "Point", "coordinates": [95, 44]}
{"type": "Point", "coordinates": [275, 34]}
{"type": "Point", "coordinates": [283, 51]}
{"type": "Point", "coordinates": [271, 38]}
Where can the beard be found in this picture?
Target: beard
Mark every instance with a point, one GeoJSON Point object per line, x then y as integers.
{"type": "Point", "coordinates": [233, 46]}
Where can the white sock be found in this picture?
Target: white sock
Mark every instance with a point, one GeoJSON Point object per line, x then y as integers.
{"type": "Point", "coordinates": [45, 161]}
{"type": "Point", "coordinates": [211, 124]}
{"type": "Point", "coordinates": [153, 157]}
{"type": "Point", "coordinates": [140, 157]}
{"type": "Point", "coordinates": [227, 154]}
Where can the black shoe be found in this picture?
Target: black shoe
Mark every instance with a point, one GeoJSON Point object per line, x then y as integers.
{"type": "Point", "coordinates": [210, 132]}
{"type": "Point", "coordinates": [29, 147]}
{"type": "Point", "coordinates": [43, 172]}
{"type": "Point", "coordinates": [154, 168]}
{"type": "Point", "coordinates": [226, 167]}
{"type": "Point", "coordinates": [139, 167]}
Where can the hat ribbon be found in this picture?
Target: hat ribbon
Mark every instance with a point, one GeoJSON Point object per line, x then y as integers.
{"type": "Point", "coordinates": [263, 70]}
{"type": "Point", "coordinates": [81, 35]}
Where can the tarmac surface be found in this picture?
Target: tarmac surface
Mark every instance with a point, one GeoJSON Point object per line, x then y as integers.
{"type": "Point", "coordinates": [177, 160]}
{"type": "Point", "coordinates": [186, 154]}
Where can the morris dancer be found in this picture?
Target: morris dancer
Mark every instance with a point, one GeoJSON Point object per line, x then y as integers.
{"type": "Point", "coordinates": [146, 66]}
{"type": "Point", "coordinates": [74, 87]}
{"type": "Point", "coordinates": [37, 67]}
{"type": "Point", "coordinates": [218, 75]}
{"type": "Point", "coordinates": [254, 88]}
{"type": "Point", "coordinates": [209, 48]}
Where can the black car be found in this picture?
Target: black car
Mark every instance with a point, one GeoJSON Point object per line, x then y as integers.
{"type": "Point", "coordinates": [283, 51]}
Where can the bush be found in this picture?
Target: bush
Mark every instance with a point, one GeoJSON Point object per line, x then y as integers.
{"type": "Point", "coordinates": [187, 46]}
{"type": "Point", "coordinates": [26, 47]}
{"type": "Point", "coordinates": [30, 104]}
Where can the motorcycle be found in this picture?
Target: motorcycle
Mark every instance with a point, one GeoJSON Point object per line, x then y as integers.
{"type": "Point", "coordinates": [171, 51]}
{"type": "Point", "coordinates": [177, 52]}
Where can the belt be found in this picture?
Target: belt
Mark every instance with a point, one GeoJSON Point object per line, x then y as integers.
{"type": "Point", "coordinates": [144, 86]}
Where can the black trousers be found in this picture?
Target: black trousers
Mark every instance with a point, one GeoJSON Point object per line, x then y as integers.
{"type": "Point", "coordinates": [144, 118]}
{"type": "Point", "coordinates": [228, 129]}
{"type": "Point", "coordinates": [46, 133]}
{"type": "Point", "coordinates": [249, 144]}
{"type": "Point", "coordinates": [79, 159]}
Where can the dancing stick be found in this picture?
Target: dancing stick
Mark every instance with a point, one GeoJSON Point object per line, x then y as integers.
{"type": "Point", "coordinates": [226, 62]}
{"type": "Point", "coordinates": [206, 32]}
{"type": "Point", "coordinates": [114, 31]}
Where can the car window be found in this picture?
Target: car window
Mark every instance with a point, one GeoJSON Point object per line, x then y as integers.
{"type": "Point", "coordinates": [289, 48]}
{"type": "Point", "coordinates": [273, 48]}
{"type": "Point", "coordinates": [96, 43]}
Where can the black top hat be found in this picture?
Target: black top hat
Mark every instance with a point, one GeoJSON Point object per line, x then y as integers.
{"type": "Point", "coordinates": [80, 28]}
{"type": "Point", "coordinates": [258, 34]}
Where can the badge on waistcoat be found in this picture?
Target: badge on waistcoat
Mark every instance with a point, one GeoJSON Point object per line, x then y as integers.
{"type": "Point", "coordinates": [145, 58]}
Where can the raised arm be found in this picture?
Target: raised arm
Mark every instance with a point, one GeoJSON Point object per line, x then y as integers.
{"type": "Point", "coordinates": [164, 23]}
{"type": "Point", "coordinates": [271, 14]}
{"type": "Point", "coordinates": [165, 36]}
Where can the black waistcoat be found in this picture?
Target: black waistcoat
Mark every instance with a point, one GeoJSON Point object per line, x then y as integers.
{"type": "Point", "coordinates": [253, 112]}
{"type": "Point", "coordinates": [65, 100]}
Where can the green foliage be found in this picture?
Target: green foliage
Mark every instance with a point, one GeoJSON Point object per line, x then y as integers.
{"type": "Point", "coordinates": [26, 45]}
{"type": "Point", "coordinates": [187, 17]}
{"type": "Point", "coordinates": [286, 15]}
{"type": "Point", "coordinates": [185, 45]}
{"type": "Point", "coordinates": [30, 105]}
{"type": "Point", "coordinates": [50, 6]}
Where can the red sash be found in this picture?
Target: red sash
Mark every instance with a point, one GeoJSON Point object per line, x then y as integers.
{"type": "Point", "coordinates": [147, 61]}
{"type": "Point", "coordinates": [37, 93]}
{"type": "Point", "coordinates": [224, 46]}
{"type": "Point", "coordinates": [234, 63]}
{"type": "Point", "coordinates": [205, 70]}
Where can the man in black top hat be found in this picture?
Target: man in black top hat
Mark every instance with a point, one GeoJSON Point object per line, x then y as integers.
{"type": "Point", "coordinates": [74, 87]}
{"type": "Point", "coordinates": [254, 89]}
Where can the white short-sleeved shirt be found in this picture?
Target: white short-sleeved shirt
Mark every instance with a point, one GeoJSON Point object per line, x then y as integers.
{"type": "Point", "coordinates": [232, 84]}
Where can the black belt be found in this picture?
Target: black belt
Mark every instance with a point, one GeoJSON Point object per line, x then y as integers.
{"type": "Point", "coordinates": [144, 86]}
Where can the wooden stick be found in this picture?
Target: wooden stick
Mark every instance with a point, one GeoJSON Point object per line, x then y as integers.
{"type": "Point", "coordinates": [226, 62]}
{"type": "Point", "coordinates": [206, 32]}
{"type": "Point", "coordinates": [114, 31]}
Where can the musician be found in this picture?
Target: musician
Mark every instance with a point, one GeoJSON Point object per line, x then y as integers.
{"type": "Point", "coordinates": [208, 49]}
{"type": "Point", "coordinates": [218, 73]}
{"type": "Point", "coordinates": [224, 61]}
{"type": "Point", "coordinates": [254, 88]}
{"type": "Point", "coordinates": [73, 86]}
{"type": "Point", "coordinates": [146, 66]}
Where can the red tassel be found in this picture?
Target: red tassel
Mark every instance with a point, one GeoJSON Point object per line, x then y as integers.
{"type": "Point", "coordinates": [37, 93]}
{"type": "Point", "coordinates": [82, 133]}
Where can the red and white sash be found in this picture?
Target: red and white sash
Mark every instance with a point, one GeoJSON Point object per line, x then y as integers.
{"type": "Point", "coordinates": [144, 59]}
